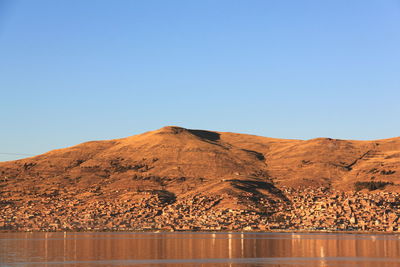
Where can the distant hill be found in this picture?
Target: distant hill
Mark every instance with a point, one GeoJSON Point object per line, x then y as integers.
{"type": "Point", "coordinates": [183, 160]}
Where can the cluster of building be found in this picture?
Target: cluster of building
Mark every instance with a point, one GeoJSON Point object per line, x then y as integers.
{"type": "Point", "coordinates": [319, 209]}
{"type": "Point", "coordinates": [308, 210]}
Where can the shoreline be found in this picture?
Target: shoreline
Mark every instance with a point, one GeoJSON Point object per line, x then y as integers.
{"type": "Point", "coordinates": [156, 231]}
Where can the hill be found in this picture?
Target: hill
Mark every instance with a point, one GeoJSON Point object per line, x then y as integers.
{"type": "Point", "coordinates": [235, 171]}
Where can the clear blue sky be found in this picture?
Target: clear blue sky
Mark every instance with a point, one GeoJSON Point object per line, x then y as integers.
{"type": "Point", "coordinates": [73, 71]}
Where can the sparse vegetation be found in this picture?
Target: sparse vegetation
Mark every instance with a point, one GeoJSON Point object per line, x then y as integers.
{"type": "Point", "coordinates": [389, 172]}
{"type": "Point", "coordinates": [371, 185]}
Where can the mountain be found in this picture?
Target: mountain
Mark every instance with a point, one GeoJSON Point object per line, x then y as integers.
{"type": "Point", "coordinates": [171, 154]}
{"type": "Point", "coordinates": [176, 163]}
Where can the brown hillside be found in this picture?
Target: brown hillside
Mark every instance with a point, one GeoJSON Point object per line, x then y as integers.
{"type": "Point", "coordinates": [183, 161]}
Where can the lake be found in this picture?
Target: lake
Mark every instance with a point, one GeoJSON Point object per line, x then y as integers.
{"type": "Point", "coordinates": [198, 249]}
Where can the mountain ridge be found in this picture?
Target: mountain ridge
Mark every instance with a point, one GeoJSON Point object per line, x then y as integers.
{"type": "Point", "coordinates": [177, 151]}
{"type": "Point", "coordinates": [177, 178]}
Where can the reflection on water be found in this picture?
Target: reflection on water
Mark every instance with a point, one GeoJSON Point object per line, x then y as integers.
{"type": "Point", "coordinates": [198, 249]}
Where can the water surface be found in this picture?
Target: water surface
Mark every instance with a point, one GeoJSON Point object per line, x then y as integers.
{"type": "Point", "coordinates": [198, 249]}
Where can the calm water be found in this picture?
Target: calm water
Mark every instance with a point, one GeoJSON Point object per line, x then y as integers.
{"type": "Point", "coordinates": [198, 249]}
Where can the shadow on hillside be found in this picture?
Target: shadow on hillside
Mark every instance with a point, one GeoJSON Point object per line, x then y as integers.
{"type": "Point", "coordinates": [258, 155]}
{"type": "Point", "coordinates": [211, 136]}
{"type": "Point", "coordinates": [253, 186]}
{"type": "Point", "coordinates": [164, 196]}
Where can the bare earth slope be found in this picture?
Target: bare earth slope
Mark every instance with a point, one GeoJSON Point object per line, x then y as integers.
{"type": "Point", "coordinates": [241, 171]}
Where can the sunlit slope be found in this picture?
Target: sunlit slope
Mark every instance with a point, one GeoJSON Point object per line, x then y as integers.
{"type": "Point", "coordinates": [186, 161]}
